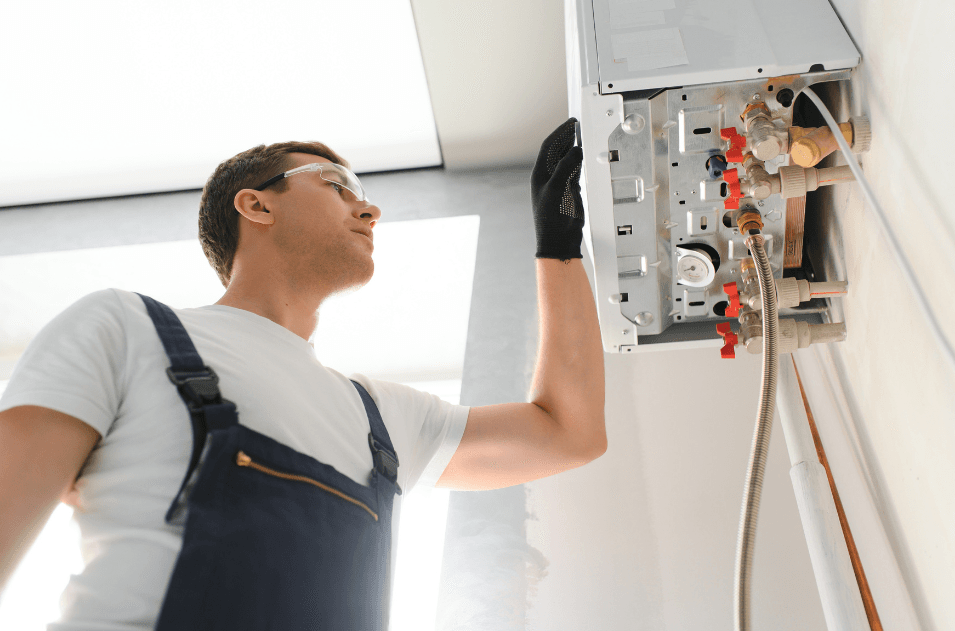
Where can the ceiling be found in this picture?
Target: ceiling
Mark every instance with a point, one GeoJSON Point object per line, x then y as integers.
{"type": "Point", "coordinates": [497, 76]}
{"type": "Point", "coordinates": [118, 99]}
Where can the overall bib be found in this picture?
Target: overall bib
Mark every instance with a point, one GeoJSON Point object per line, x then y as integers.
{"type": "Point", "coordinates": [274, 539]}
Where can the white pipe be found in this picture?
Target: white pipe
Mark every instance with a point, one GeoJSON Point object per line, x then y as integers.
{"type": "Point", "coordinates": [835, 579]}
{"type": "Point", "coordinates": [793, 418]}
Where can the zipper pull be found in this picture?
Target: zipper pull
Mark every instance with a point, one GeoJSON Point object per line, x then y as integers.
{"type": "Point", "coordinates": [242, 460]}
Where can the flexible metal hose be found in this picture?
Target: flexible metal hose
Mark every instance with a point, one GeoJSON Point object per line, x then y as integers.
{"type": "Point", "coordinates": [746, 537]}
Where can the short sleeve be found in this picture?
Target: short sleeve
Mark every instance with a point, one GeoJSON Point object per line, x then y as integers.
{"type": "Point", "coordinates": [76, 363]}
{"type": "Point", "coordinates": [425, 429]}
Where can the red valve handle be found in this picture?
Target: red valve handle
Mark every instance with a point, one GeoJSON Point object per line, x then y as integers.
{"type": "Point", "coordinates": [737, 144]}
{"type": "Point", "coordinates": [731, 177]}
{"type": "Point", "coordinates": [729, 349]}
{"type": "Point", "coordinates": [733, 292]}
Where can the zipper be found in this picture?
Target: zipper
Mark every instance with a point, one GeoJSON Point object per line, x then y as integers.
{"type": "Point", "coordinates": [243, 460]}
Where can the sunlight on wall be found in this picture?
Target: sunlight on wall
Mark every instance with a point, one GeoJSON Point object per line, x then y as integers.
{"type": "Point", "coordinates": [424, 518]}
{"type": "Point", "coordinates": [414, 596]}
{"type": "Point", "coordinates": [31, 598]}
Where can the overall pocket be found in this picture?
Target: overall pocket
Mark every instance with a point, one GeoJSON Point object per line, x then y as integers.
{"type": "Point", "coordinates": [243, 460]}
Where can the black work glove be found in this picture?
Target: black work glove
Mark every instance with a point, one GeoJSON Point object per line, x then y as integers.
{"type": "Point", "coordinates": [555, 193]}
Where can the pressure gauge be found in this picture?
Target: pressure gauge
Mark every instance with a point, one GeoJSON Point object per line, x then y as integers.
{"type": "Point", "coordinates": [694, 268]}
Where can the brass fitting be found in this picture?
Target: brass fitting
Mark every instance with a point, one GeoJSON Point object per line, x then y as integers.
{"type": "Point", "coordinates": [748, 219]}
{"type": "Point", "coordinates": [749, 160]}
{"type": "Point", "coordinates": [754, 110]}
{"type": "Point", "coordinates": [809, 146]}
{"type": "Point", "coordinates": [746, 265]}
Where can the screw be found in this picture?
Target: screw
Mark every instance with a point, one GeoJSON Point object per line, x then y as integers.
{"type": "Point", "coordinates": [609, 112]}
{"type": "Point", "coordinates": [626, 331]}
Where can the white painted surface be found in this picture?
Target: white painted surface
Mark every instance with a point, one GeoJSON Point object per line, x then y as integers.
{"type": "Point", "coordinates": [898, 387]}
{"type": "Point", "coordinates": [644, 538]}
{"type": "Point", "coordinates": [689, 42]}
{"type": "Point", "coordinates": [497, 76]}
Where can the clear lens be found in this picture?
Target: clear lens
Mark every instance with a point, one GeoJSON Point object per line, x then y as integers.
{"type": "Point", "coordinates": [338, 174]}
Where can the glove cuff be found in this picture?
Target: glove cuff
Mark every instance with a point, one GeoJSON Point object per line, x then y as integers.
{"type": "Point", "coordinates": [565, 255]}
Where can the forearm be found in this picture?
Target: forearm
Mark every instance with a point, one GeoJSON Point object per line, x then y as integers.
{"type": "Point", "coordinates": [569, 378]}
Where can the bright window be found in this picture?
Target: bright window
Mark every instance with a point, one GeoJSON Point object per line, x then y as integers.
{"type": "Point", "coordinates": [113, 97]}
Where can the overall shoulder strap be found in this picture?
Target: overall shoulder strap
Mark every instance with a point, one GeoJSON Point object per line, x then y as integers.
{"type": "Point", "coordinates": [197, 384]}
{"type": "Point", "coordinates": [382, 451]}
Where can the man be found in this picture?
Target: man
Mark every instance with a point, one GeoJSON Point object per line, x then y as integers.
{"type": "Point", "coordinates": [190, 519]}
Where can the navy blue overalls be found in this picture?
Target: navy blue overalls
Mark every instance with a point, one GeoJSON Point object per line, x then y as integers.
{"type": "Point", "coordinates": [274, 539]}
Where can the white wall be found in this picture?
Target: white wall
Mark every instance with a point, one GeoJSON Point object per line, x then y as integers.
{"type": "Point", "coordinates": [898, 389]}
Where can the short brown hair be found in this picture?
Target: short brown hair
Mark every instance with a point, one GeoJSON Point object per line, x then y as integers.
{"type": "Point", "coordinates": [218, 218]}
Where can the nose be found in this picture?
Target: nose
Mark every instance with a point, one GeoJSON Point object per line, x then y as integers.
{"type": "Point", "coordinates": [369, 211]}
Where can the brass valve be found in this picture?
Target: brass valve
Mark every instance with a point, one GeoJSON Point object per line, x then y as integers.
{"type": "Point", "coordinates": [809, 146]}
{"type": "Point", "coordinates": [748, 219]}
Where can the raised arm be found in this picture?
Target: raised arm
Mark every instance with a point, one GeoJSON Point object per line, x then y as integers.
{"type": "Point", "coordinates": [563, 425]}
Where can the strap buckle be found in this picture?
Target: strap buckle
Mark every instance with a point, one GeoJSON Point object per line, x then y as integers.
{"type": "Point", "coordinates": [198, 388]}
{"type": "Point", "coordinates": [386, 463]}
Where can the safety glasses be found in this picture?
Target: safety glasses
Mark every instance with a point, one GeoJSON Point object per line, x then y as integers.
{"type": "Point", "coordinates": [333, 173]}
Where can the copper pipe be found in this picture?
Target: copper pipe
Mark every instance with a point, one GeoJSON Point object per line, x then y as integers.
{"type": "Point", "coordinates": [870, 611]}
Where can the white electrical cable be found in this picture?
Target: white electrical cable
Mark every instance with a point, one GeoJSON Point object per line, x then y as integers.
{"type": "Point", "coordinates": [900, 258]}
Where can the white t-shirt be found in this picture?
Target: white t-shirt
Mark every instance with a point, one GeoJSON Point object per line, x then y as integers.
{"type": "Point", "coordinates": [102, 362]}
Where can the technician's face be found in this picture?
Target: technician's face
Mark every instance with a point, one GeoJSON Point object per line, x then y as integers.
{"type": "Point", "coordinates": [320, 228]}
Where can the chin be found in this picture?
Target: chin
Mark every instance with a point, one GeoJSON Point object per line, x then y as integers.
{"type": "Point", "coordinates": [364, 274]}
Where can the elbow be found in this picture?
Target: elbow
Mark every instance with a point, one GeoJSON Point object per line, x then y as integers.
{"type": "Point", "coordinates": [596, 447]}
{"type": "Point", "coordinates": [600, 448]}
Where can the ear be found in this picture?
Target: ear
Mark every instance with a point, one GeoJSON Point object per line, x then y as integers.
{"type": "Point", "coordinates": [251, 205]}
